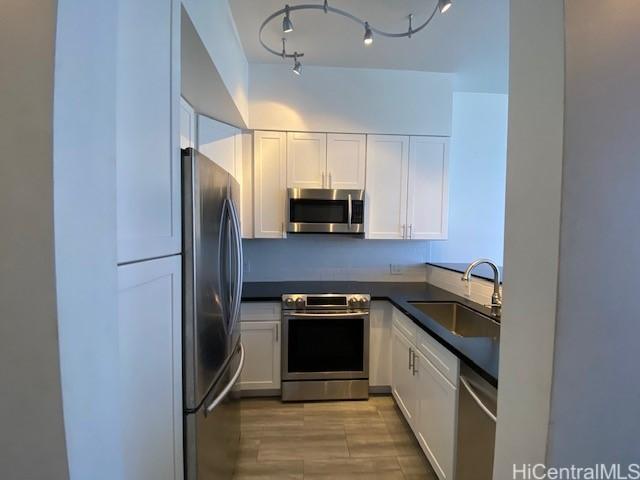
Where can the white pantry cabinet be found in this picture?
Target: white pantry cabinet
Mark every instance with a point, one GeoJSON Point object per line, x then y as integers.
{"type": "Point", "coordinates": [270, 184]}
{"type": "Point", "coordinates": [150, 351]}
{"type": "Point", "coordinates": [346, 160]}
{"type": "Point", "coordinates": [428, 192]}
{"type": "Point", "coordinates": [306, 160]}
{"type": "Point", "coordinates": [424, 382]}
{"type": "Point", "coordinates": [380, 344]}
{"type": "Point", "coordinates": [407, 187]}
{"type": "Point", "coordinates": [148, 129]}
{"type": "Point", "coordinates": [260, 328]}
{"type": "Point", "coordinates": [387, 174]}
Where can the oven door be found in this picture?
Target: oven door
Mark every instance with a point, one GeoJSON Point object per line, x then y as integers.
{"type": "Point", "coordinates": [325, 211]}
{"type": "Point", "coordinates": [325, 346]}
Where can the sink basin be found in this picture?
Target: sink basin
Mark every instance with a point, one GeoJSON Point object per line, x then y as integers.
{"type": "Point", "coordinates": [460, 320]}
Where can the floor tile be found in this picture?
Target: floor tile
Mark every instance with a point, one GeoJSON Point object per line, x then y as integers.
{"type": "Point", "coordinates": [280, 470]}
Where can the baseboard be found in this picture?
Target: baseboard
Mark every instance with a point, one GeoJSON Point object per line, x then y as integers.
{"type": "Point", "coordinates": [379, 389]}
{"type": "Point", "coordinates": [272, 392]}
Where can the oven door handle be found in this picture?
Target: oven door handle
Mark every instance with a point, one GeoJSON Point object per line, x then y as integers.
{"type": "Point", "coordinates": [304, 316]}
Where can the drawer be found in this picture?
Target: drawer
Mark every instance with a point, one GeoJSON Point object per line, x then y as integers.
{"type": "Point", "coordinates": [260, 311]}
{"type": "Point", "coordinates": [405, 325]}
{"type": "Point", "coordinates": [441, 358]}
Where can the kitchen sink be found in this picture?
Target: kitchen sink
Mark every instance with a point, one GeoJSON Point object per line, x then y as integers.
{"type": "Point", "coordinates": [460, 320]}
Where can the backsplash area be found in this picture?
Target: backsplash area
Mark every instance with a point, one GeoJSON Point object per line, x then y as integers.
{"type": "Point", "coordinates": [335, 258]}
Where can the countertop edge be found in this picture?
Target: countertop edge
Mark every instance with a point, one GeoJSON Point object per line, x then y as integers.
{"type": "Point", "coordinates": [399, 305]}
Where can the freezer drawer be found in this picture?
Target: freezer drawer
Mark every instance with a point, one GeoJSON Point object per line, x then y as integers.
{"type": "Point", "coordinates": [212, 435]}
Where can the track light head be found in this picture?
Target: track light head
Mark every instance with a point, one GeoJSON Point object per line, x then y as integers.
{"type": "Point", "coordinates": [368, 34]}
{"type": "Point", "coordinates": [297, 66]}
{"type": "Point", "coordinates": [287, 25]}
{"type": "Point", "coordinates": [444, 5]}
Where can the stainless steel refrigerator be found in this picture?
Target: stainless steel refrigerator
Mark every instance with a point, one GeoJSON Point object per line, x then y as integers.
{"type": "Point", "coordinates": [213, 355]}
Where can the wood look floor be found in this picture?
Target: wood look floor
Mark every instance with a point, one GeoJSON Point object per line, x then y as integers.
{"type": "Point", "coordinates": [328, 440]}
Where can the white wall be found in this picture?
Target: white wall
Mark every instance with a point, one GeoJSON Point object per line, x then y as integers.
{"type": "Point", "coordinates": [85, 235]}
{"type": "Point", "coordinates": [32, 442]}
{"type": "Point", "coordinates": [534, 172]}
{"type": "Point", "coordinates": [596, 392]}
{"type": "Point", "coordinates": [216, 28]}
{"type": "Point", "coordinates": [477, 179]}
{"type": "Point", "coordinates": [333, 258]}
{"type": "Point", "coordinates": [329, 99]}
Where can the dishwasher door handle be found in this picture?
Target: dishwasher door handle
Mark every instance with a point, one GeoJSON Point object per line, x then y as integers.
{"type": "Point", "coordinates": [475, 397]}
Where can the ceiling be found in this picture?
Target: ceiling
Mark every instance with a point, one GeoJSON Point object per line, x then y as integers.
{"type": "Point", "coordinates": [470, 40]}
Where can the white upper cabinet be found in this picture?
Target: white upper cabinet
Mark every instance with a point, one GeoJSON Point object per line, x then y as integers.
{"type": "Point", "coordinates": [346, 159]}
{"type": "Point", "coordinates": [148, 130]}
{"type": "Point", "coordinates": [306, 160]}
{"type": "Point", "coordinates": [428, 200]}
{"type": "Point", "coordinates": [387, 179]}
{"type": "Point", "coordinates": [187, 125]}
{"type": "Point", "coordinates": [217, 141]}
{"type": "Point", "coordinates": [270, 188]}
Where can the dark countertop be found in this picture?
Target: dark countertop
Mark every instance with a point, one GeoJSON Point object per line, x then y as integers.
{"type": "Point", "coordinates": [481, 271]}
{"type": "Point", "coordinates": [481, 354]}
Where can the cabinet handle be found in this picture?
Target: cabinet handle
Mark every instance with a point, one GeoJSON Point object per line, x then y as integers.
{"type": "Point", "coordinates": [410, 235]}
{"type": "Point", "coordinates": [330, 181]}
{"type": "Point", "coordinates": [415, 369]}
{"type": "Point", "coordinates": [322, 179]}
{"type": "Point", "coordinates": [282, 229]}
{"type": "Point", "coordinates": [277, 331]}
{"type": "Point", "coordinates": [410, 357]}
{"type": "Point", "coordinates": [404, 231]}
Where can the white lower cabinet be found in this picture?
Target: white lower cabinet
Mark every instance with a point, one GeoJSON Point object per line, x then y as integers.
{"type": "Point", "coordinates": [149, 332]}
{"type": "Point", "coordinates": [403, 386]}
{"type": "Point", "coordinates": [380, 344]}
{"type": "Point", "coordinates": [426, 391]}
{"type": "Point", "coordinates": [260, 329]}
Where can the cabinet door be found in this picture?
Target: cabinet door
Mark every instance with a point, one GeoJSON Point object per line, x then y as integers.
{"type": "Point", "coordinates": [346, 158]}
{"type": "Point", "coordinates": [148, 130]}
{"type": "Point", "coordinates": [380, 344]}
{"type": "Point", "coordinates": [306, 160]}
{"type": "Point", "coordinates": [387, 173]}
{"type": "Point", "coordinates": [270, 189]}
{"type": "Point", "coordinates": [261, 342]}
{"type": "Point", "coordinates": [436, 417]}
{"type": "Point", "coordinates": [217, 141]}
{"type": "Point", "coordinates": [403, 386]}
{"type": "Point", "coordinates": [149, 324]}
{"type": "Point", "coordinates": [187, 125]}
{"type": "Point", "coordinates": [428, 200]}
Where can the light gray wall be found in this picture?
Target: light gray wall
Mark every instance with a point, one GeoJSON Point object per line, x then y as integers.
{"type": "Point", "coordinates": [534, 172]}
{"type": "Point", "coordinates": [333, 258]}
{"type": "Point", "coordinates": [596, 391]}
{"type": "Point", "coordinates": [477, 179]}
{"type": "Point", "coordinates": [85, 234]}
{"type": "Point", "coordinates": [32, 443]}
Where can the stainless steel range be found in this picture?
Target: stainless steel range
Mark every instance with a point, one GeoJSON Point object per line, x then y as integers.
{"type": "Point", "coordinates": [325, 352]}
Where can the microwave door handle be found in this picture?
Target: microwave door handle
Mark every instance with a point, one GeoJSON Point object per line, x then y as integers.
{"type": "Point", "coordinates": [350, 210]}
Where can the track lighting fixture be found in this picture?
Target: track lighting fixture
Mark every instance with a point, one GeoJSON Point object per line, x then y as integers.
{"type": "Point", "coordinates": [287, 25]}
{"type": "Point", "coordinates": [444, 5]}
{"type": "Point", "coordinates": [441, 6]}
{"type": "Point", "coordinates": [368, 34]}
{"type": "Point", "coordinates": [297, 66]}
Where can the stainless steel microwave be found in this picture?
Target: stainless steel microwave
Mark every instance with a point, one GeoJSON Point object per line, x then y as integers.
{"type": "Point", "coordinates": [319, 210]}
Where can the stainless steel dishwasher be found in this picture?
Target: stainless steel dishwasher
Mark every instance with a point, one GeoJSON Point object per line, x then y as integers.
{"type": "Point", "coordinates": [477, 406]}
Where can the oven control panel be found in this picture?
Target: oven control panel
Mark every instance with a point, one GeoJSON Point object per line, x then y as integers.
{"type": "Point", "coordinates": [329, 301]}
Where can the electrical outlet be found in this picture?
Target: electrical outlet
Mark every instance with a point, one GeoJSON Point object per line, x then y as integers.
{"type": "Point", "coordinates": [395, 269]}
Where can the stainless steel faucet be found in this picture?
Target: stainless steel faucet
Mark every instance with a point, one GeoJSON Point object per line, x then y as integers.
{"type": "Point", "coordinates": [496, 298]}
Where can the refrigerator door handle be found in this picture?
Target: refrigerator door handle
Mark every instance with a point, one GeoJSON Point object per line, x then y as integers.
{"type": "Point", "coordinates": [216, 401]}
{"type": "Point", "coordinates": [237, 295]}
